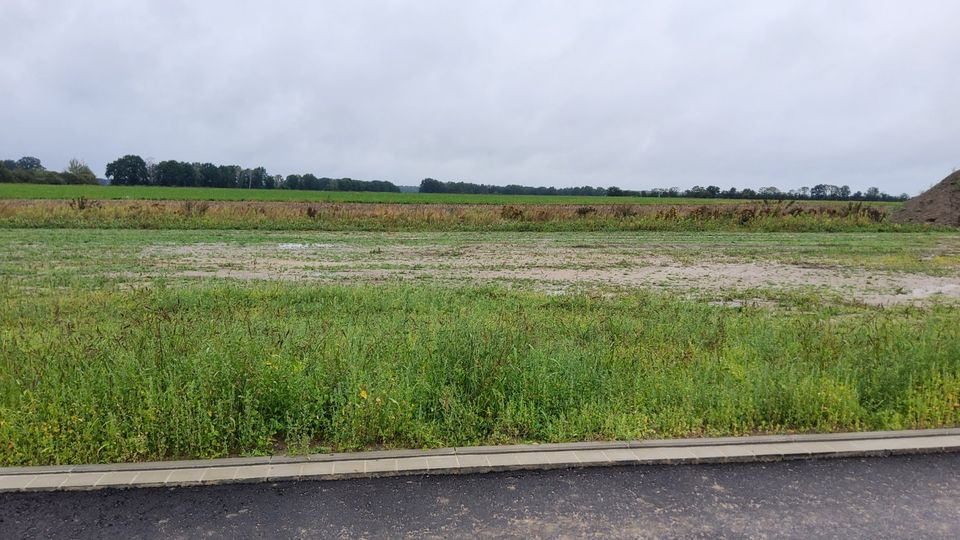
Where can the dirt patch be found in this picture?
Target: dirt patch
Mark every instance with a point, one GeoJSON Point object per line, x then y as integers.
{"type": "Point", "coordinates": [871, 288]}
{"type": "Point", "coordinates": [939, 205]}
{"type": "Point", "coordinates": [541, 265]}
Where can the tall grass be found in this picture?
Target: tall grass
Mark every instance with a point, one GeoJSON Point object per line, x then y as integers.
{"type": "Point", "coordinates": [190, 214]}
{"type": "Point", "coordinates": [209, 370]}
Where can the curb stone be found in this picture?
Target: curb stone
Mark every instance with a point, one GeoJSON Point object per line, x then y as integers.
{"type": "Point", "coordinates": [479, 459]}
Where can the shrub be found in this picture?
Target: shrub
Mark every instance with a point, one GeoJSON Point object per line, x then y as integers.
{"type": "Point", "coordinates": [511, 212]}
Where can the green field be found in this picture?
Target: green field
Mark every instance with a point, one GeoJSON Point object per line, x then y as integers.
{"type": "Point", "coordinates": [154, 344]}
{"type": "Point", "coordinates": [41, 191]}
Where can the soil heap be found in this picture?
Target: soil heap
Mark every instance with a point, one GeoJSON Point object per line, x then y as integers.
{"type": "Point", "coordinates": [939, 205]}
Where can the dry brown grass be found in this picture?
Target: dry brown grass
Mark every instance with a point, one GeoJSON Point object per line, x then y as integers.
{"type": "Point", "coordinates": [365, 216]}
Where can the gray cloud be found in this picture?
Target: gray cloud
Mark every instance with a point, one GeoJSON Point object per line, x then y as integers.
{"type": "Point", "coordinates": [634, 94]}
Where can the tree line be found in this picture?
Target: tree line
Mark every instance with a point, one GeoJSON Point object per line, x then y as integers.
{"type": "Point", "coordinates": [821, 192]}
{"type": "Point", "coordinates": [132, 170]}
{"type": "Point", "coordinates": [429, 185]}
{"type": "Point", "coordinates": [29, 170]}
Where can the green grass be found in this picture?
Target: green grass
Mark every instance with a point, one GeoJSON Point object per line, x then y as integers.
{"type": "Point", "coordinates": [103, 360]}
{"type": "Point", "coordinates": [217, 369]}
{"type": "Point", "coordinates": [40, 191]}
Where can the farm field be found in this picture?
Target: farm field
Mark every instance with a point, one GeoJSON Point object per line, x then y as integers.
{"type": "Point", "coordinates": [41, 191]}
{"type": "Point", "coordinates": [129, 344]}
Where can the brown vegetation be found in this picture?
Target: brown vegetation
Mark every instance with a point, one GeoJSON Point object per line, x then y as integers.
{"type": "Point", "coordinates": [939, 205]}
{"type": "Point", "coordinates": [770, 216]}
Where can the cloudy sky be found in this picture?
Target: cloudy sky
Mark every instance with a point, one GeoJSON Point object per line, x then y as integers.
{"type": "Point", "coordinates": [636, 94]}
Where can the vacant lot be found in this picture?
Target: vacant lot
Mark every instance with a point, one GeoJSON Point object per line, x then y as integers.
{"type": "Point", "coordinates": [878, 269]}
{"type": "Point", "coordinates": [134, 344]}
{"type": "Point", "coordinates": [560, 263]}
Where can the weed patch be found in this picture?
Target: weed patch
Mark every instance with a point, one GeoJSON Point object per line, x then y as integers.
{"type": "Point", "coordinates": [212, 370]}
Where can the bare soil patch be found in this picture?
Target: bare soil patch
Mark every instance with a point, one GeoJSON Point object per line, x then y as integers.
{"type": "Point", "coordinates": [939, 205]}
{"type": "Point", "coordinates": [542, 265]}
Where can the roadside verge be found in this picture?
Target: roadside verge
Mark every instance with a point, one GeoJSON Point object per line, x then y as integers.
{"type": "Point", "coordinates": [477, 459]}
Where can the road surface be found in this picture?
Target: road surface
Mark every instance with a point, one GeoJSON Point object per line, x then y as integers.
{"type": "Point", "coordinates": [899, 497]}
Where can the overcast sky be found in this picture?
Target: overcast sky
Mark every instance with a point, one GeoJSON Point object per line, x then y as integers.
{"type": "Point", "coordinates": [636, 94]}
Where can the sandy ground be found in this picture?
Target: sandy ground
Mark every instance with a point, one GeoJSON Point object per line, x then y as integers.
{"type": "Point", "coordinates": [544, 266]}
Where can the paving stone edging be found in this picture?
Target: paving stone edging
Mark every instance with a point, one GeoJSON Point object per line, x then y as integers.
{"type": "Point", "coordinates": [477, 459]}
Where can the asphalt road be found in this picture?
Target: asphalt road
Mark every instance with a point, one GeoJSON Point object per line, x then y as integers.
{"type": "Point", "coordinates": [898, 497]}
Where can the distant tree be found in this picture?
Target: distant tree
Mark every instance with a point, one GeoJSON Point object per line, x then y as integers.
{"type": "Point", "coordinates": [830, 191]}
{"type": "Point", "coordinates": [82, 171]}
{"type": "Point", "coordinates": [258, 178]}
{"type": "Point", "coordinates": [872, 194]}
{"type": "Point", "coordinates": [207, 174]}
{"type": "Point", "coordinates": [253, 178]}
{"type": "Point", "coordinates": [129, 170]}
{"type": "Point", "coordinates": [6, 175]}
{"type": "Point", "coordinates": [188, 175]}
{"type": "Point", "coordinates": [770, 192]}
{"type": "Point", "coordinates": [293, 181]}
{"type": "Point", "coordinates": [614, 191]}
{"type": "Point", "coordinates": [309, 181]}
{"type": "Point", "coordinates": [429, 185]}
{"type": "Point", "coordinates": [712, 191]}
{"type": "Point", "coordinates": [844, 192]}
{"type": "Point", "coordinates": [382, 185]}
{"type": "Point", "coordinates": [28, 163]}
{"type": "Point", "coordinates": [229, 175]}
{"type": "Point", "coordinates": [244, 179]}
{"type": "Point", "coordinates": [168, 173]}
{"type": "Point", "coordinates": [68, 177]}
{"type": "Point", "coordinates": [151, 171]}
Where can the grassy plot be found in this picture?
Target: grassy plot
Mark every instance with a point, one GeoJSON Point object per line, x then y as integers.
{"type": "Point", "coordinates": [112, 349]}
{"type": "Point", "coordinates": [215, 369]}
{"type": "Point", "coordinates": [41, 191]}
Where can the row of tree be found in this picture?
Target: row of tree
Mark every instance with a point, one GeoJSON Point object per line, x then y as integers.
{"type": "Point", "coordinates": [819, 192]}
{"type": "Point", "coordinates": [309, 181]}
{"type": "Point", "coordinates": [29, 170]}
{"type": "Point", "coordinates": [429, 185]}
{"type": "Point", "coordinates": [132, 170]}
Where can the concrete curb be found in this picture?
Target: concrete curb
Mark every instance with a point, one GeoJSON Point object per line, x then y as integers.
{"type": "Point", "coordinates": [477, 459]}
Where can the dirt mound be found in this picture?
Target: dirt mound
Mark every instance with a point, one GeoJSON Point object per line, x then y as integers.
{"type": "Point", "coordinates": [939, 205]}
